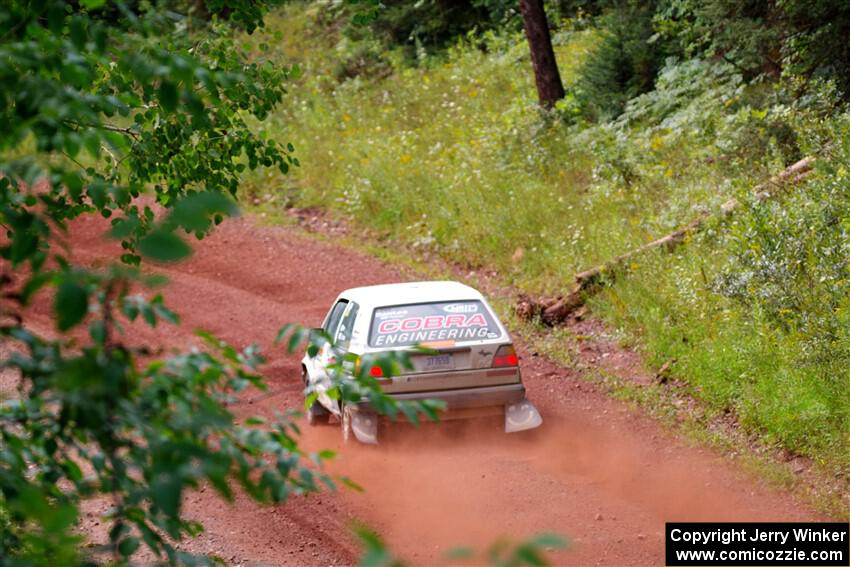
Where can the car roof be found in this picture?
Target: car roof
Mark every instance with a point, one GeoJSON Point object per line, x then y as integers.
{"type": "Point", "coordinates": [411, 292]}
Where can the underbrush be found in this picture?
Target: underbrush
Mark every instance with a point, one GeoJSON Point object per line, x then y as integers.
{"type": "Point", "coordinates": [756, 313]}
{"type": "Point", "coordinates": [451, 157]}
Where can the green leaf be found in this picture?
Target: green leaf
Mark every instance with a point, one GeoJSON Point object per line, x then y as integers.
{"type": "Point", "coordinates": [432, 408]}
{"type": "Point", "coordinates": [72, 470]}
{"type": "Point", "coordinates": [167, 95]}
{"type": "Point", "coordinates": [122, 228]}
{"type": "Point", "coordinates": [78, 32]}
{"type": "Point", "coordinates": [283, 332]}
{"type": "Point", "coordinates": [97, 331]}
{"type": "Point", "coordinates": [166, 491]}
{"type": "Point", "coordinates": [128, 546]}
{"type": "Point", "coordinates": [351, 484]}
{"type": "Point", "coordinates": [195, 212]}
{"type": "Point", "coordinates": [92, 4]}
{"type": "Point", "coordinates": [92, 143]}
{"type": "Point", "coordinates": [296, 339]}
{"type": "Point", "coordinates": [164, 312]}
{"type": "Point", "coordinates": [72, 144]}
{"type": "Point", "coordinates": [130, 308]}
{"type": "Point", "coordinates": [410, 413]}
{"type": "Point", "coordinates": [71, 304]}
{"type": "Point", "coordinates": [528, 555]}
{"type": "Point", "coordinates": [73, 181]}
{"type": "Point", "coordinates": [550, 540]}
{"type": "Point", "coordinates": [147, 313]}
{"type": "Point", "coordinates": [33, 285]}
{"type": "Point", "coordinates": [61, 517]}
{"type": "Point", "coordinates": [152, 539]}
{"type": "Point", "coordinates": [164, 246]}
{"type": "Point", "coordinates": [310, 400]}
{"type": "Point", "coordinates": [217, 475]}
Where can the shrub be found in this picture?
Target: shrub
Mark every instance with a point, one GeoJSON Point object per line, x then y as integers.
{"type": "Point", "coordinates": [791, 262]}
{"type": "Point", "coordinates": [803, 38]}
{"type": "Point", "coordinates": [624, 64]}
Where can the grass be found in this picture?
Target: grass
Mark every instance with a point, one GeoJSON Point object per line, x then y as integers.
{"type": "Point", "coordinates": [451, 158]}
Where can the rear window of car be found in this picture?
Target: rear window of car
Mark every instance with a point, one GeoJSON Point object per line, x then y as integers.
{"type": "Point", "coordinates": [406, 325]}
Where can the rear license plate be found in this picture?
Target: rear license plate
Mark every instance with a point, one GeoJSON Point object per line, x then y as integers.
{"type": "Point", "coordinates": [439, 362]}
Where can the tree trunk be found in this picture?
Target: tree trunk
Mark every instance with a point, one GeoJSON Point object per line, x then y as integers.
{"type": "Point", "coordinates": [546, 75]}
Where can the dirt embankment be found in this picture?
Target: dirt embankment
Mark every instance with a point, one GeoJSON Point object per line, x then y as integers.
{"type": "Point", "coordinates": [599, 474]}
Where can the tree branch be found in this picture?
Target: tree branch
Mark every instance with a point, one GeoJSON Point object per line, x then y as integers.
{"type": "Point", "coordinates": [128, 130]}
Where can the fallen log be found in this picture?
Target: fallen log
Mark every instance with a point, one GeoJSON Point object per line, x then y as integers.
{"type": "Point", "coordinates": [587, 283]}
{"type": "Point", "coordinates": [791, 175]}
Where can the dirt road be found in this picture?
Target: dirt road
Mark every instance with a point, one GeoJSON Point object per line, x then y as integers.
{"type": "Point", "coordinates": [595, 472]}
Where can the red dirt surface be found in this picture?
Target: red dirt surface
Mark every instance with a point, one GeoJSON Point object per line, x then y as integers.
{"type": "Point", "coordinates": [595, 472]}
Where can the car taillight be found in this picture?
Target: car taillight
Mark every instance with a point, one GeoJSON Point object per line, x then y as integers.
{"type": "Point", "coordinates": [505, 356]}
{"type": "Point", "coordinates": [376, 371]}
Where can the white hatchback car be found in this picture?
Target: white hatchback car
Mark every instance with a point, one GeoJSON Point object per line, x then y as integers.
{"type": "Point", "coordinates": [471, 366]}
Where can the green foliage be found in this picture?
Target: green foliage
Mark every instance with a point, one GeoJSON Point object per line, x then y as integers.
{"type": "Point", "coordinates": [738, 32]}
{"type": "Point", "coordinates": [375, 552]}
{"type": "Point", "coordinates": [365, 58]}
{"type": "Point", "coordinates": [624, 64]}
{"type": "Point", "coordinates": [784, 252]}
{"type": "Point", "coordinates": [94, 421]}
{"type": "Point", "coordinates": [432, 23]}
{"type": "Point", "coordinates": [790, 264]}
{"type": "Point", "coordinates": [431, 26]}
{"type": "Point", "coordinates": [502, 553]}
{"type": "Point", "coordinates": [755, 313]}
{"type": "Point", "coordinates": [101, 103]}
{"type": "Point", "coordinates": [123, 102]}
{"type": "Point", "coordinates": [803, 38]}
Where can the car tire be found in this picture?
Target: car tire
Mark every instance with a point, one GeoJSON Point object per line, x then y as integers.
{"type": "Point", "coordinates": [317, 414]}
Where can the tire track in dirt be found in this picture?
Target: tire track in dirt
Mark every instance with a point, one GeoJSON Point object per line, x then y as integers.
{"type": "Point", "coordinates": [603, 476]}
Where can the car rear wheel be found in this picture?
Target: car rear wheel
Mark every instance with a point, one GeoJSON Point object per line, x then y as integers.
{"type": "Point", "coordinates": [317, 414]}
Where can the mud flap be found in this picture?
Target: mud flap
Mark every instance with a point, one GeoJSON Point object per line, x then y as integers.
{"type": "Point", "coordinates": [364, 425]}
{"type": "Point", "coordinates": [521, 416]}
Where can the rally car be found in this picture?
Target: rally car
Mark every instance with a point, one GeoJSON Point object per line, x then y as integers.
{"type": "Point", "coordinates": [470, 363]}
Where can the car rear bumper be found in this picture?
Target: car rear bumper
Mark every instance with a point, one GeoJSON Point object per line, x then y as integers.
{"type": "Point", "coordinates": [464, 398]}
{"type": "Point", "coordinates": [446, 381]}
{"type": "Point", "coordinates": [507, 399]}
